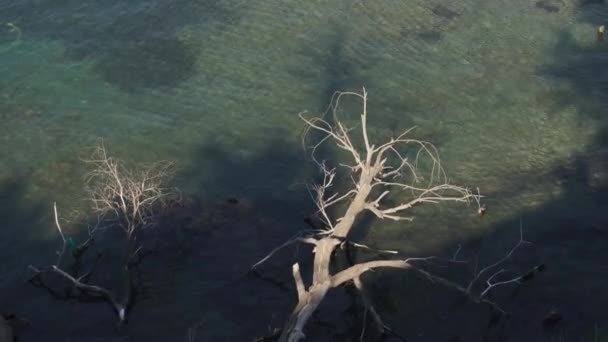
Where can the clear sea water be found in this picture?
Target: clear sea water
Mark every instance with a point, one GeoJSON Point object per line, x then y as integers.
{"type": "Point", "coordinates": [513, 93]}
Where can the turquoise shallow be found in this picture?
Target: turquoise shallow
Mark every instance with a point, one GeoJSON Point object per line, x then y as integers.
{"type": "Point", "coordinates": [512, 93]}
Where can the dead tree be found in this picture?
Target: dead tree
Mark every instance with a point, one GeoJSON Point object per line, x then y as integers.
{"type": "Point", "coordinates": [122, 199]}
{"type": "Point", "coordinates": [411, 172]}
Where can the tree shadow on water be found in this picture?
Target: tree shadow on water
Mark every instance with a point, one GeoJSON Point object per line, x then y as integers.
{"type": "Point", "coordinates": [569, 232]}
{"type": "Point", "coordinates": [23, 223]}
{"type": "Point", "coordinates": [251, 206]}
{"type": "Point", "coordinates": [337, 66]}
{"type": "Point", "coordinates": [241, 208]}
{"type": "Point", "coordinates": [585, 70]}
{"type": "Point", "coordinates": [568, 235]}
{"type": "Point", "coordinates": [195, 261]}
{"type": "Point", "coordinates": [18, 218]}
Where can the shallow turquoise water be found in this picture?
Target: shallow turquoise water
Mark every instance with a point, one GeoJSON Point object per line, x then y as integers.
{"type": "Point", "coordinates": [511, 92]}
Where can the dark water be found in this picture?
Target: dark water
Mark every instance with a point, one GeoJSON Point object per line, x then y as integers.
{"type": "Point", "coordinates": [513, 93]}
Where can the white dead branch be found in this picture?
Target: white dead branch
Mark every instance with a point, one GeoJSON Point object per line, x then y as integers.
{"type": "Point", "coordinates": [408, 170]}
{"type": "Point", "coordinates": [121, 198]}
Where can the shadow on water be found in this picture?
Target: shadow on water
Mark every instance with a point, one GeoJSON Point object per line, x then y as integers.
{"type": "Point", "coordinates": [267, 202]}
{"type": "Point", "coordinates": [22, 222]}
{"type": "Point", "coordinates": [196, 265]}
{"type": "Point", "coordinates": [576, 225]}
{"type": "Point", "coordinates": [569, 233]}
{"type": "Point", "coordinates": [245, 208]}
{"type": "Point", "coordinates": [569, 236]}
{"type": "Point", "coordinates": [337, 68]}
{"type": "Point", "coordinates": [134, 45]}
{"type": "Point", "coordinates": [18, 216]}
{"type": "Point", "coordinates": [14, 211]}
{"type": "Point", "coordinates": [269, 174]}
{"type": "Point", "coordinates": [195, 269]}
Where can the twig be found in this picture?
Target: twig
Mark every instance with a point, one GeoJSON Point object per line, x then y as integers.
{"type": "Point", "coordinates": [294, 239]}
{"type": "Point", "coordinates": [501, 260]}
{"type": "Point", "coordinates": [128, 198]}
{"type": "Point", "coordinates": [406, 169]}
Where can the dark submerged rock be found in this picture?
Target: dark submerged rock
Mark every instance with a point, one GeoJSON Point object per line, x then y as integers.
{"type": "Point", "coordinates": [430, 36]}
{"type": "Point", "coordinates": [548, 6]}
{"type": "Point", "coordinates": [444, 12]}
{"type": "Point", "coordinates": [552, 319]}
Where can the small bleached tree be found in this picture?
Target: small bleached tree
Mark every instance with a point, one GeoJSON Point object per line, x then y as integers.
{"type": "Point", "coordinates": [407, 170]}
{"type": "Point", "coordinates": [123, 199]}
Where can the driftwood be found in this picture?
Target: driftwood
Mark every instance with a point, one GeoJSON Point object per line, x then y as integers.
{"type": "Point", "coordinates": [394, 166]}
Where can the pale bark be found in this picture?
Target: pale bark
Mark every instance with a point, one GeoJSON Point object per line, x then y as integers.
{"type": "Point", "coordinates": [120, 197]}
{"type": "Point", "coordinates": [381, 169]}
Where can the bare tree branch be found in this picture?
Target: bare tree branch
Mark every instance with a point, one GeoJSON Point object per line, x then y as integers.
{"type": "Point", "coordinates": [297, 277]}
{"type": "Point", "coordinates": [291, 241]}
{"type": "Point", "coordinates": [406, 170]}
{"type": "Point", "coordinates": [369, 307]}
{"type": "Point", "coordinates": [520, 243]}
{"type": "Point", "coordinates": [129, 199]}
{"type": "Point", "coordinates": [64, 243]}
{"type": "Point", "coordinates": [381, 251]}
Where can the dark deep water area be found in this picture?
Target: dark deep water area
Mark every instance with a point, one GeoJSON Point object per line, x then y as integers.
{"type": "Point", "coordinates": [513, 94]}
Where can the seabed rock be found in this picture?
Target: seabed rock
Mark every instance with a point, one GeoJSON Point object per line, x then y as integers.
{"type": "Point", "coordinates": [552, 319]}
{"type": "Point", "coordinates": [550, 6]}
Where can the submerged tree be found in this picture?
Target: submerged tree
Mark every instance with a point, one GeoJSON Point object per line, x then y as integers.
{"type": "Point", "coordinates": [410, 171]}
{"type": "Point", "coordinates": [123, 199]}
